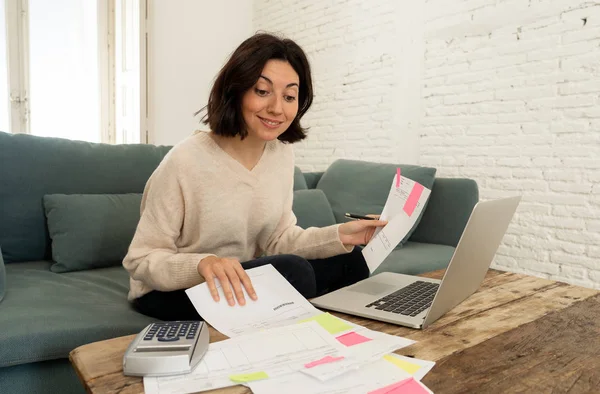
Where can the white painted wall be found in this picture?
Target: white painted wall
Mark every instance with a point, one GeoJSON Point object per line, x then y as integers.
{"type": "Point", "coordinates": [512, 100]}
{"type": "Point", "coordinates": [366, 59]}
{"type": "Point", "coordinates": [189, 41]}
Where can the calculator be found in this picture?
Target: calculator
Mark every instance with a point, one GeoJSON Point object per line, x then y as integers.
{"type": "Point", "coordinates": [166, 348]}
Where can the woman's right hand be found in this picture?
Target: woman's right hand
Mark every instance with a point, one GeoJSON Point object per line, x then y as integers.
{"type": "Point", "coordinates": [231, 275]}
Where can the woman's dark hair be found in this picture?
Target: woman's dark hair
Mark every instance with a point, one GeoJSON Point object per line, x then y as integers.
{"type": "Point", "coordinates": [240, 73]}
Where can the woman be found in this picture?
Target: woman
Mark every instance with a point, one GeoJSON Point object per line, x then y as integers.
{"type": "Point", "coordinates": [225, 196]}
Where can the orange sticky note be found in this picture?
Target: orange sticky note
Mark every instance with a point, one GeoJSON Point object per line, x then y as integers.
{"type": "Point", "coordinates": [352, 339]}
{"type": "Point", "coordinates": [413, 199]}
{"type": "Point", "coordinates": [408, 386]}
{"type": "Point", "coordinates": [324, 360]}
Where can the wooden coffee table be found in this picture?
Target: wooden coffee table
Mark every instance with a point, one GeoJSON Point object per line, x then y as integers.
{"type": "Point", "coordinates": [517, 333]}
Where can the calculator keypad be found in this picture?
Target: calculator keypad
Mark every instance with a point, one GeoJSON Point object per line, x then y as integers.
{"type": "Point", "coordinates": [172, 331]}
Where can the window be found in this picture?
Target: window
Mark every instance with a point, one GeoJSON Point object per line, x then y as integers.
{"type": "Point", "coordinates": [74, 69]}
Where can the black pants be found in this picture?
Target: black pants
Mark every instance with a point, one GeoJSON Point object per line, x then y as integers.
{"type": "Point", "coordinates": [310, 277]}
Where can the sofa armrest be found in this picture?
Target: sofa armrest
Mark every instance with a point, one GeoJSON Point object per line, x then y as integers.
{"type": "Point", "coordinates": [449, 207]}
{"type": "Point", "coordinates": [2, 277]}
{"type": "Point", "coordinates": [312, 178]}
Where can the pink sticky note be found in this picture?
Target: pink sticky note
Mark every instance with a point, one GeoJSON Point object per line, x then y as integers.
{"type": "Point", "coordinates": [398, 177]}
{"type": "Point", "coordinates": [407, 386]}
{"type": "Point", "coordinates": [324, 360]}
{"type": "Point", "coordinates": [352, 339]}
{"type": "Point", "coordinates": [413, 198]}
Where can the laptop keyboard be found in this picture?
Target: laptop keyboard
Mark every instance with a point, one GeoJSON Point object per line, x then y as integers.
{"type": "Point", "coordinates": [409, 300]}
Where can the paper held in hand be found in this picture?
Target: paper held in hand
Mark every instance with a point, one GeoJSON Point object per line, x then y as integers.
{"type": "Point", "coordinates": [402, 208]}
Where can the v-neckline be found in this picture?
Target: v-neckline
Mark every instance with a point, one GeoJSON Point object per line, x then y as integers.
{"type": "Point", "coordinates": [236, 165]}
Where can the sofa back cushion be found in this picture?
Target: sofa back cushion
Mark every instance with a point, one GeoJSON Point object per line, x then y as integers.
{"type": "Point", "coordinates": [299, 180]}
{"type": "Point", "coordinates": [2, 277]}
{"type": "Point", "coordinates": [363, 187]}
{"type": "Point", "coordinates": [450, 205]}
{"type": "Point", "coordinates": [32, 167]}
{"type": "Point", "coordinates": [90, 230]}
{"type": "Point", "coordinates": [312, 209]}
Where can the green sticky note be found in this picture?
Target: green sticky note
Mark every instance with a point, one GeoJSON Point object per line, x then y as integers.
{"type": "Point", "coordinates": [404, 365]}
{"type": "Point", "coordinates": [329, 322]}
{"type": "Point", "coordinates": [248, 377]}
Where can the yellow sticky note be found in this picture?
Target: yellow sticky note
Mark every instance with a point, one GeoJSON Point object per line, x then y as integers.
{"type": "Point", "coordinates": [248, 377]}
{"type": "Point", "coordinates": [404, 365]}
{"type": "Point", "coordinates": [330, 323]}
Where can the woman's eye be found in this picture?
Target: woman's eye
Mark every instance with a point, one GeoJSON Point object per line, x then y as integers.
{"type": "Point", "coordinates": [261, 92]}
{"type": "Point", "coordinates": [290, 98]}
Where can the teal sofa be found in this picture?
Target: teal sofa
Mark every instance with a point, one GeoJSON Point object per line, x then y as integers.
{"type": "Point", "coordinates": [63, 208]}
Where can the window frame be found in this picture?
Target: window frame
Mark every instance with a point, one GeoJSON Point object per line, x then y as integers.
{"type": "Point", "coordinates": [17, 36]}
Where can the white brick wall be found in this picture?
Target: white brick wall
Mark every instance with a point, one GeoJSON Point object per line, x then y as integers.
{"type": "Point", "coordinates": [506, 92]}
{"type": "Point", "coordinates": [367, 103]}
{"type": "Point", "coordinates": [511, 92]}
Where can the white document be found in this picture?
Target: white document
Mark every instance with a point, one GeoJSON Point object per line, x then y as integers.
{"type": "Point", "coordinates": [278, 304]}
{"type": "Point", "coordinates": [402, 208]}
{"type": "Point", "coordinates": [360, 354]}
{"type": "Point", "coordinates": [268, 354]}
{"type": "Point", "coordinates": [371, 377]}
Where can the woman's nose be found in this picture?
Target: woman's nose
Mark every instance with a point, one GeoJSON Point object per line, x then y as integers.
{"type": "Point", "coordinates": [275, 105]}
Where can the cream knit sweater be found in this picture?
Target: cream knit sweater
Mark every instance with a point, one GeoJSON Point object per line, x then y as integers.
{"type": "Point", "coordinates": [200, 201]}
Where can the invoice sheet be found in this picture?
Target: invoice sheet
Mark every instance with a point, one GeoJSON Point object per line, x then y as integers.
{"type": "Point", "coordinates": [369, 379]}
{"type": "Point", "coordinates": [263, 355]}
{"type": "Point", "coordinates": [402, 208]}
{"type": "Point", "coordinates": [278, 304]}
{"type": "Point", "coordinates": [363, 346]}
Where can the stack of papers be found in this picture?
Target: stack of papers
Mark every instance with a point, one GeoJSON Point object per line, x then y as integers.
{"type": "Point", "coordinates": [283, 341]}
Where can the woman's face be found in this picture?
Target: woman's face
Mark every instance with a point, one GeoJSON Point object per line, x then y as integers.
{"type": "Point", "coordinates": [271, 105]}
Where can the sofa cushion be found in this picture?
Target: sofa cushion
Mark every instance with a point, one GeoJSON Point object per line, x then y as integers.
{"type": "Point", "coordinates": [312, 178]}
{"type": "Point", "coordinates": [363, 187]}
{"type": "Point", "coordinates": [312, 209]}
{"type": "Point", "coordinates": [450, 205]}
{"type": "Point", "coordinates": [415, 258]}
{"type": "Point", "coordinates": [35, 378]}
{"type": "Point", "coordinates": [46, 315]}
{"type": "Point", "coordinates": [31, 167]}
{"type": "Point", "coordinates": [90, 230]}
{"type": "Point", "coordinates": [299, 180]}
{"type": "Point", "coordinates": [2, 277]}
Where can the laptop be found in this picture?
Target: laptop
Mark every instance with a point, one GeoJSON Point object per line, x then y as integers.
{"type": "Point", "coordinates": [417, 302]}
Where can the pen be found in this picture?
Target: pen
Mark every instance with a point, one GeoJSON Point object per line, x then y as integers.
{"type": "Point", "coordinates": [355, 216]}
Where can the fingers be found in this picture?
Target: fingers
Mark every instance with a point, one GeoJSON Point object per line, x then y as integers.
{"type": "Point", "coordinates": [373, 216]}
{"type": "Point", "coordinates": [212, 287]}
{"type": "Point", "coordinates": [373, 223]}
{"type": "Point", "coordinates": [220, 273]}
{"type": "Point", "coordinates": [235, 283]}
{"type": "Point", "coordinates": [369, 234]}
{"type": "Point", "coordinates": [231, 276]}
{"type": "Point", "coordinates": [246, 281]}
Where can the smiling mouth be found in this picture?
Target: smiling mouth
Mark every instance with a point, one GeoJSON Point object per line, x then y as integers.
{"type": "Point", "coordinates": [270, 123]}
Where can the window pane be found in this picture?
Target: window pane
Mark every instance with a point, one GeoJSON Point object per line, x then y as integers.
{"type": "Point", "coordinates": [64, 76]}
{"type": "Point", "coordinates": [4, 93]}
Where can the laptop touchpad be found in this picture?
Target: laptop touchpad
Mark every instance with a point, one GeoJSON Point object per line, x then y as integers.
{"type": "Point", "coordinates": [372, 288]}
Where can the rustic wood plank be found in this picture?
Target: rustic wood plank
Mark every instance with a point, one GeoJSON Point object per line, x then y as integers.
{"type": "Point", "coordinates": [503, 301]}
{"type": "Point", "coordinates": [435, 343]}
{"type": "Point", "coordinates": [556, 353]}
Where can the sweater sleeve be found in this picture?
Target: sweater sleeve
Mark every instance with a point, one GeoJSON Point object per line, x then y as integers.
{"type": "Point", "coordinates": [310, 243]}
{"type": "Point", "coordinates": [153, 257]}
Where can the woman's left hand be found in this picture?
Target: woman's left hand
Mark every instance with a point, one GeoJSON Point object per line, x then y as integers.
{"type": "Point", "coordinates": [359, 232]}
